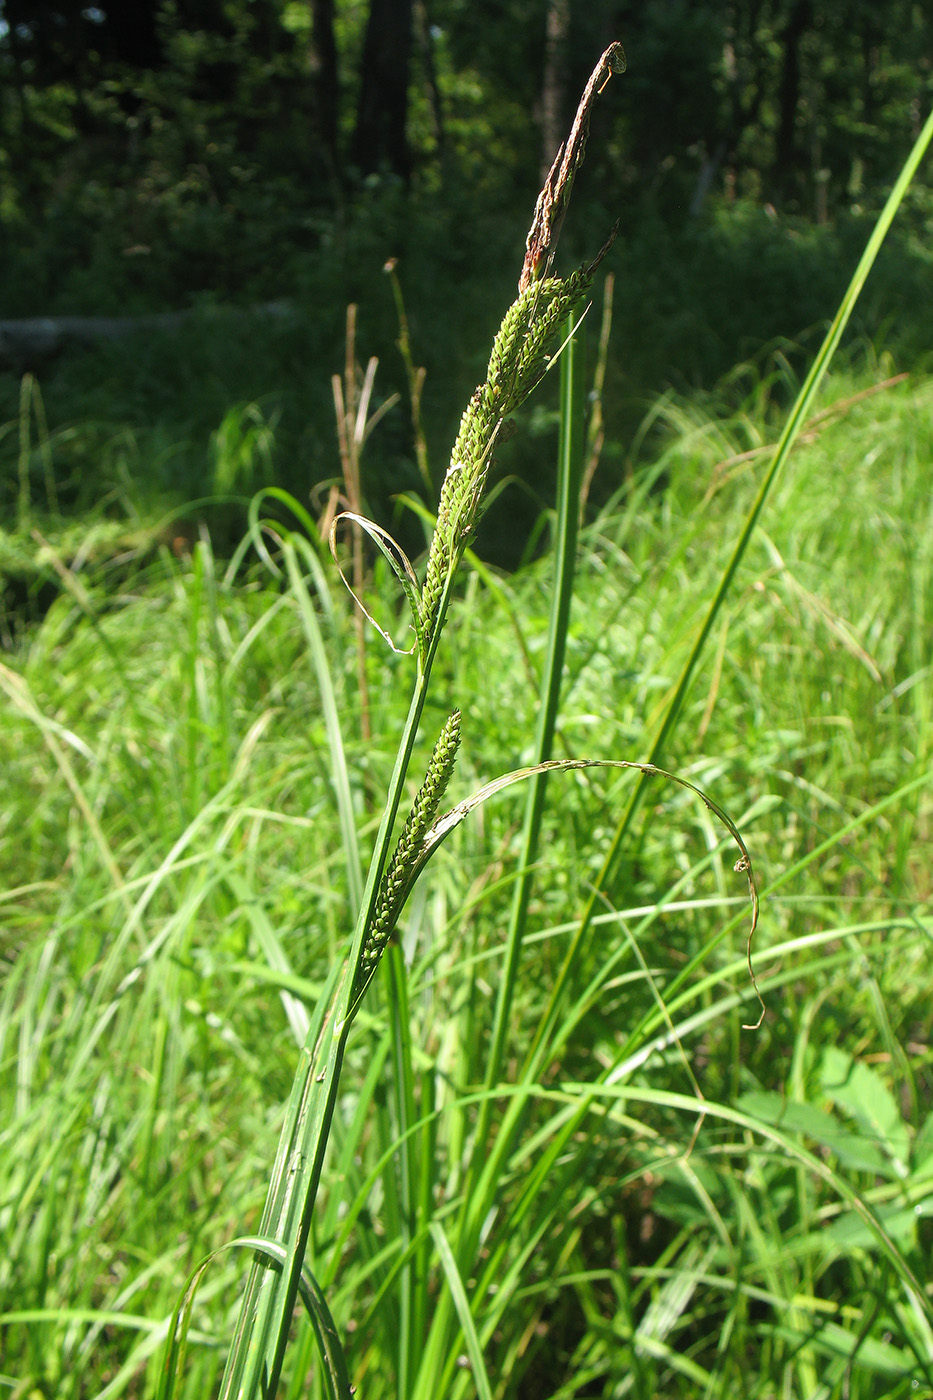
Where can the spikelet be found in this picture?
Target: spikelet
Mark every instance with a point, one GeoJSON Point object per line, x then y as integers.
{"type": "Point", "coordinates": [520, 354]}
{"type": "Point", "coordinates": [396, 880]}
{"type": "Point", "coordinates": [518, 361]}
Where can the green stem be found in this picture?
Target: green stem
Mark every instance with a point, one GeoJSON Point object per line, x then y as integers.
{"type": "Point", "coordinates": [569, 475]}
{"type": "Point", "coordinates": [257, 1353]}
{"type": "Point", "coordinates": [410, 1280]}
{"type": "Point", "coordinates": [487, 1156]}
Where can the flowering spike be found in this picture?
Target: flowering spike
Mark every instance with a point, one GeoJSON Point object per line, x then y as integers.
{"type": "Point", "coordinates": [397, 879]}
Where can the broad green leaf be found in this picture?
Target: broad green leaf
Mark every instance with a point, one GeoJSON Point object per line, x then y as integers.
{"type": "Point", "coordinates": [860, 1092]}
{"type": "Point", "coordinates": [853, 1150]}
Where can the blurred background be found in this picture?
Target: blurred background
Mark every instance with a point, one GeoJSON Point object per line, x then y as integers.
{"type": "Point", "coordinates": [203, 155]}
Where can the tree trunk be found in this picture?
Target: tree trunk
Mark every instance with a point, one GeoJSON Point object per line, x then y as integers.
{"type": "Point", "coordinates": [553, 84]}
{"type": "Point", "coordinates": [381, 137]}
{"type": "Point", "coordinates": [326, 86]}
{"type": "Point", "coordinates": [785, 146]}
{"type": "Point", "coordinates": [708, 172]}
{"type": "Point", "coordinates": [134, 33]}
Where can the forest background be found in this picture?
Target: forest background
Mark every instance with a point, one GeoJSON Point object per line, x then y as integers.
{"type": "Point", "coordinates": [206, 153]}
{"type": "Point", "coordinates": [197, 731]}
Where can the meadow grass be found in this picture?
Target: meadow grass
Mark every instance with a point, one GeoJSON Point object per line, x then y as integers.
{"type": "Point", "coordinates": [539, 1156]}
{"type": "Point", "coordinates": [177, 887]}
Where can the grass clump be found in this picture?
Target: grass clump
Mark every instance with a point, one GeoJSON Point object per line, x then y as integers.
{"type": "Point", "coordinates": [152, 1007]}
{"type": "Point", "coordinates": [635, 1198]}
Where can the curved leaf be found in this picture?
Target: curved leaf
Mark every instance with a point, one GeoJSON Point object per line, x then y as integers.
{"type": "Point", "coordinates": [335, 1363]}
{"type": "Point", "coordinates": [452, 819]}
{"type": "Point", "coordinates": [400, 565]}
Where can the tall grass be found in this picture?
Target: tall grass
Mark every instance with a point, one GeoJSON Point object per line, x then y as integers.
{"type": "Point", "coordinates": [639, 1199]}
{"type": "Point", "coordinates": [165, 951]}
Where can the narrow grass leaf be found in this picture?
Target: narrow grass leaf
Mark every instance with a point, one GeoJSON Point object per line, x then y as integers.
{"type": "Point", "coordinates": [795, 421]}
{"type": "Point", "coordinates": [400, 565]}
{"type": "Point", "coordinates": [462, 1307]}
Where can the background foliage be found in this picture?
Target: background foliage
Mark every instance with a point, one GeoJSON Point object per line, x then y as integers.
{"type": "Point", "coordinates": [214, 151]}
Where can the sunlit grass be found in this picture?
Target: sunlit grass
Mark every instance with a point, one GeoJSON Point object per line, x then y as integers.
{"type": "Point", "coordinates": [176, 887]}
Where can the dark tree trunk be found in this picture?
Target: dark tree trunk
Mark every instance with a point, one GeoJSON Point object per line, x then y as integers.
{"type": "Point", "coordinates": [708, 172]}
{"type": "Point", "coordinates": [785, 146]}
{"type": "Point", "coordinates": [134, 34]}
{"type": "Point", "coordinates": [381, 137]}
{"type": "Point", "coordinates": [326, 87]}
{"type": "Point", "coordinates": [553, 84]}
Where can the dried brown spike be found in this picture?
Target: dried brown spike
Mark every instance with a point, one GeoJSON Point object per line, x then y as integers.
{"type": "Point", "coordinates": [553, 199]}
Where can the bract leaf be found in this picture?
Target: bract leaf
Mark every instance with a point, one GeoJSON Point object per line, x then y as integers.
{"type": "Point", "coordinates": [452, 819]}
{"type": "Point", "coordinates": [400, 565]}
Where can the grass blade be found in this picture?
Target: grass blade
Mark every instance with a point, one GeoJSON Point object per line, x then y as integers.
{"type": "Point", "coordinates": [792, 427]}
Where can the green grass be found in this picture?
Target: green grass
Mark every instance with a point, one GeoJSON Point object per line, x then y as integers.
{"type": "Point", "coordinates": [712, 291]}
{"type": "Point", "coordinates": [561, 1156]}
{"type": "Point", "coordinates": [178, 885]}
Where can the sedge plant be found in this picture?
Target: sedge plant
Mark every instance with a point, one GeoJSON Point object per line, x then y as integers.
{"type": "Point", "coordinates": [436, 1332]}
{"type": "Point", "coordinates": [520, 357]}
{"type": "Point", "coordinates": [522, 353]}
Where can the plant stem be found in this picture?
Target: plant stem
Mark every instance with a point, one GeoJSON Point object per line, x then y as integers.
{"type": "Point", "coordinates": [258, 1350]}
{"type": "Point", "coordinates": [487, 1155]}
{"type": "Point", "coordinates": [569, 475]}
{"type": "Point", "coordinates": [796, 419]}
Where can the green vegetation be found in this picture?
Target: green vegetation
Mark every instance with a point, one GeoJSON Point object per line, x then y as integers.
{"type": "Point", "coordinates": [216, 149]}
{"type": "Point", "coordinates": [539, 1141]}
{"type": "Point", "coordinates": [178, 887]}
{"type": "Point", "coordinates": [211, 157]}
